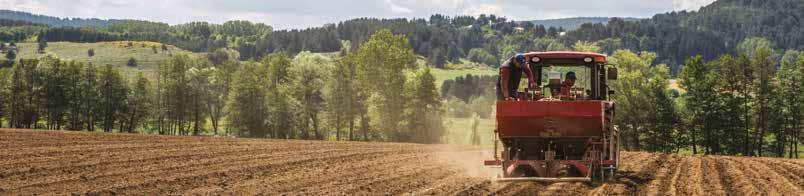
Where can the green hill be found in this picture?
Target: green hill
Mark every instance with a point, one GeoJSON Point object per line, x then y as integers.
{"type": "Point", "coordinates": [56, 21]}
{"type": "Point", "coordinates": [575, 22]}
{"type": "Point", "coordinates": [115, 53]}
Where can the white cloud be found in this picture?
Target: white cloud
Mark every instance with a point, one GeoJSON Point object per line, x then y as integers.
{"type": "Point", "coordinates": [398, 9]}
{"type": "Point", "coordinates": [24, 5]}
{"type": "Point", "coordinates": [484, 9]}
{"type": "Point", "coordinates": [690, 5]}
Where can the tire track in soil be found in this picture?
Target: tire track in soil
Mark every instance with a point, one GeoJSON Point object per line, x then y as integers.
{"type": "Point", "coordinates": [791, 174]}
{"type": "Point", "coordinates": [787, 166]}
{"type": "Point", "coordinates": [667, 170]}
{"type": "Point", "coordinates": [456, 184]}
{"type": "Point", "coordinates": [768, 178]}
{"type": "Point", "coordinates": [192, 179]}
{"type": "Point", "coordinates": [734, 179]}
{"type": "Point", "coordinates": [565, 188]}
{"type": "Point", "coordinates": [111, 176]}
{"type": "Point", "coordinates": [100, 158]}
{"type": "Point", "coordinates": [613, 186]}
{"type": "Point", "coordinates": [325, 181]}
{"type": "Point", "coordinates": [403, 180]}
{"type": "Point", "coordinates": [518, 188]}
{"type": "Point", "coordinates": [58, 169]}
{"type": "Point", "coordinates": [646, 173]}
{"type": "Point", "coordinates": [714, 184]}
{"type": "Point", "coordinates": [688, 177]}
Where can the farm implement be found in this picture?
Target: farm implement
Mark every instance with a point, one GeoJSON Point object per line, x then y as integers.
{"type": "Point", "coordinates": [555, 137]}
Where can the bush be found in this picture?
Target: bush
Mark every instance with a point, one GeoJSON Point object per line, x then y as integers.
{"type": "Point", "coordinates": [132, 62]}
{"type": "Point", "coordinates": [480, 55]}
{"type": "Point", "coordinates": [482, 106]}
{"type": "Point", "coordinates": [458, 109]}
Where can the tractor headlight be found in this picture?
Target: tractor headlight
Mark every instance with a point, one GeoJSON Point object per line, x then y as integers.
{"type": "Point", "coordinates": [535, 59]}
{"type": "Point", "coordinates": [587, 59]}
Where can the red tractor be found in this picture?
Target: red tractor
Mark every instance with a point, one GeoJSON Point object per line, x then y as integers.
{"type": "Point", "coordinates": [551, 136]}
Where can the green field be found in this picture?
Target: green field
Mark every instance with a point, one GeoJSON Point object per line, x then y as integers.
{"type": "Point", "coordinates": [459, 130]}
{"type": "Point", "coordinates": [114, 53]}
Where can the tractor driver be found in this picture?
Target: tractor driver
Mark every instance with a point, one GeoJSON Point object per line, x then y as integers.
{"type": "Point", "coordinates": [510, 74]}
{"type": "Point", "coordinates": [566, 86]}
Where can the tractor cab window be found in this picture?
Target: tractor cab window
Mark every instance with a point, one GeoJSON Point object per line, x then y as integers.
{"type": "Point", "coordinates": [554, 82]}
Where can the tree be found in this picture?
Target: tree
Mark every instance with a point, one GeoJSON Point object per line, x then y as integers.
{"type": "Point", "coordinates": [381, 63]}
{"type": "Point", "coordinates": [790, 77]}
{"type": "Point", "coordinates": [74, 94]}
{"type": "Point", "coordinates": [24, 90]}
{"type": "Point", "coordinates": [217, 91]}
{"type": "Point", "coordinates": [5, 96]}
{"type": "Point", "coordinates": [90, 95]}
{"type": "Point", "coordinates": [633, 97]}
{"type": "Point", "coordinates": [423, 115]}
{"type": "Point", "coordinates": [663, 132]}
{"type": "Point", "coordinates": [480, 55]}
{"type": "Point", "coordinates": [764, 66]}
{"type": "Point", "coordinates": [10, 56]}
{"type": "Point", "coordinates": [247, 108]}
{"type": "Point", "coordinates": [139, 102]}
{"type": "Point", "coordinates": [585, 46]}
{"type": "Point", "coordinates": [54, 99]}
{"type": "Point", "coordinates": [41, 45]}
{"type": "Point", "coordinates": [308, 76]}
{"type": "Point", "coordinates": [91, 52]}
{"type": "Point", "coordinates": [113, 93]}
{"type": "Point", "coordinates": [175, 102]}
{"type": "Point", "coordinates": [346, 100]}
{"type": "Point", "coordinates": [131, 62]}
{"type": "Point", "coordinates": [281, 104]}
{"type": "Point", "coordinates": [200, 92]}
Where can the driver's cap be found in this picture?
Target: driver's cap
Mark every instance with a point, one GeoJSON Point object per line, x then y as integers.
{"type": "Point", "coordinates": [520, 58]}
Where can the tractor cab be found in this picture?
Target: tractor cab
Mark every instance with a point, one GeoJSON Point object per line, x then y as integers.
{"type": "Point", "coordinates": [560, 131]}
{"type": "Point", "coordinates": [551, 70]}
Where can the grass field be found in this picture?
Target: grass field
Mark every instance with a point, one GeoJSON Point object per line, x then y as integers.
{"type": "Point", "coordinates": [459, 131]}
{"type": "Point", "coordinates": [114, 53]}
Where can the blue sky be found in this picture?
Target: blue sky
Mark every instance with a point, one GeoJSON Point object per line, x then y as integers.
{"type": "Point", "coordinates": [308, 13]}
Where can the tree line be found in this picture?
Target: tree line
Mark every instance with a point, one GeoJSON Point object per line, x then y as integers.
{"type": "Point", "coordinates": [747, 104]}
{"type": "Point", "coordinates": [375, 93]}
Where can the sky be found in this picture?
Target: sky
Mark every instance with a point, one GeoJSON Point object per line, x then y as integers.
{"type": "Point", "coordinates": [289, 14]}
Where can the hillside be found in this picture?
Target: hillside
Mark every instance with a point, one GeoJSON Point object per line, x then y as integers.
{"type": "Point", "coordinates": [714, 30]}
{"type": "Point", "coordinates": [115, 53]}
{"type": "Point", "coordinates": [575, 22]}
{"type": "Point", "coordinates": [56, 21]}
{"type": "Point", "coordinates": [61, 162]}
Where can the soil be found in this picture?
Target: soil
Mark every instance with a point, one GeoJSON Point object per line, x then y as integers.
{"type": "Point", "coordinates": [63, 162]}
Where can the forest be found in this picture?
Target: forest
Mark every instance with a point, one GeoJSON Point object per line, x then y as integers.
{"type": "Point", "coordinates": [713, 30]}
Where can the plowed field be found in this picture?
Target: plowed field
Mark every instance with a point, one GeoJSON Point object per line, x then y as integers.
{"type": "Point", "coordinates": [58, 162]}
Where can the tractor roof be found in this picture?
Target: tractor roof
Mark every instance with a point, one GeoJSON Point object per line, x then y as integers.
{"type": "Point", "coordinates": [567, 55]}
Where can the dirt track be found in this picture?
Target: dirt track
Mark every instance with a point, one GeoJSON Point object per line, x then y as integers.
{"type": "Point", "coordinates": [55, 162]}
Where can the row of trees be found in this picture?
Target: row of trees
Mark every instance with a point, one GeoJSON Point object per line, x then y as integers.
{"type": "Point", "coordinates": [736, 105]}
{"type": "Point", "coordinates": [54, 94]}
{"type": "Point", "coordinates": [374, 93]}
